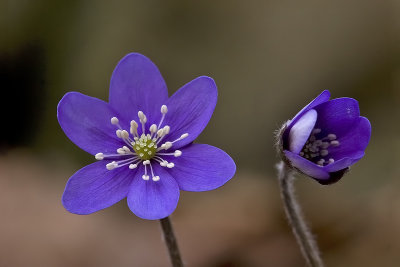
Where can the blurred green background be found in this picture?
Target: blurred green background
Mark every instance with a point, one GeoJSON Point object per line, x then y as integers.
{"type": "Point", "coordinates": [269, 59]}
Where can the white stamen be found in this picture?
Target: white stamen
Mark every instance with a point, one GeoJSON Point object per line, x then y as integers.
{"type": "Point", "coordinates": [170, 165]}
{"type": "Point", "coordinates": [114, 121]}
{"type": "Point", "coordinates": [177, 153]}
{"type": "Point", "coordinates": [125, 162]}
{"type": "Point", "coordinates": [121, 151]}
{"type": "Point", "coordinates": [124, 134]}
{"type": "Point", "coordinates": [145, 176]}
{"type": "Point", "coordinates": [109, 155]}
{"type": "Point", "coordinates": [143, 120]}
{"type": "Point", "coordinates": [324, 145]}
{"type": "Point", "coordinates": [160, 132]}
{"type": "Point", "coordinates": [324, 152]}
{"type": "Point", "coordinates": [166, 129]}
{"type": "Point", "coordinates": [118, 133]}
{"type": "Point", "coordinates": [132, 166]}
{"type": "Point", "coordinates": [152, 173]}
{"type": "Point", "coordinates": [164, 163]}
{"type": "Point", "coordinates": [133, 128]}
{"type": "Point", "coordinates": [335, 143]}
{"type": "Point", "coordinates": [332, 136]}
{"type": "Point", "coordinates": [141, 115]}
{"type": "Point", "coordinates": [99, 156]}
{"type": "Point", "coordinates": [156, 178]}
{"type": "Point", "coordinates": [164, 109]}
{"type": "Point", "coordinates": [331, 160]}
{"type": "Point", "coordinates": [317, 143]}
{"type": "Point", "coordinates": [134, 124]}
{"type": "Point", "coordinates": [316, 131]}
{"type": "Point", "coordinates": [112, 165]}
{"type": "Point", "coordinates": [160, 160]}
{"type": "Point", "coordinates": [166, 145]}
{"type": "Point", "coordinates": [163, 133]}
{"type": "Point", "coordinates": [153, 129]}
{"type": "Point", "coordinates": [146, 162]}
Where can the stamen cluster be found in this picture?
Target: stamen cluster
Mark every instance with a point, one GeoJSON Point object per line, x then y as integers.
{"type": "Point", "coordinates": [316, 149]}
{"type": "Point", "coordinates": [144, 149]}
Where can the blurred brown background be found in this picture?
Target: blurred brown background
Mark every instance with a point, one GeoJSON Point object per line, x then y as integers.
{"type": "Point", "coordinates": [269, 59]}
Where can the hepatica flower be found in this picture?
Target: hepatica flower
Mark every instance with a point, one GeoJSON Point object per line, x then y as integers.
{"type": "Point", "coordinates": [143, 142]}
{"type": "Point", "coordinates": [325, 138]}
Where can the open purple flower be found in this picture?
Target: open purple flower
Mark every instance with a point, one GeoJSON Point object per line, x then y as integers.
{"type": "Point", "coordinates": [143, 141]}
{"type": "Point", "coordinates": [325, 138]}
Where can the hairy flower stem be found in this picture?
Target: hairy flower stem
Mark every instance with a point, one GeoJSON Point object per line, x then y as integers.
{"type": "Point", "coordinates": [170, 240]}
{"type": "Point", "coordinates": [299, 227]}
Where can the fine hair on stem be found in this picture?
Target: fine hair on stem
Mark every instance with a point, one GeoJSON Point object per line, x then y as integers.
{"type": "Point", "coordinates": [295, 217]}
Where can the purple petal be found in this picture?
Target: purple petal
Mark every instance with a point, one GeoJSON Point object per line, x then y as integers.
{"type": "Point", "coordinates": [153, 200]}
{"type": "Point", "coordinates": [190, 109]}
{"type": "Point", "coordinates": [93, 188]}
{"type": "Point", "coordinates": [337, 116]}
{"type": "Point", "coordinates": [305, 166]}
{"type": "Point", "coordinates": [322, 98]}
{"type": "Point", "coordinates": [86, 121]}
{"type": "Point", "coordinates": [301, 130]}
{"type": "Point", "coordinates": [136, 84]}
{"type": "Point", "coordinates": [354, 141]}
{"type": "Point", "coordinates": [202, 168]}
{"type": "Point", "coordinates": [343, 163]}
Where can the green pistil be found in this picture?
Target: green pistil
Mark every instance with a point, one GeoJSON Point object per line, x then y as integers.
{"type": "Point", "coordinates": [145, 147]}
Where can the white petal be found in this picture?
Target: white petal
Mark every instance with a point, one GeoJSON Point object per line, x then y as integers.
{"type": "Point", "coordinates": [301, 131]}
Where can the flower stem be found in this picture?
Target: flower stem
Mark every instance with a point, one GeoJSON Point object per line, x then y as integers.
{"type": "Point", "coordinates": [170, 240]}
{"type": "Point", "coordinates": [299, 227]}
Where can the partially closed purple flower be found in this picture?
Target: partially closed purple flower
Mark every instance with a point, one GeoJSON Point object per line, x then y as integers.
{"type": "Point", "coordinates": [325, 138]}
{"type": "Point", "coordinates": [143, 141]}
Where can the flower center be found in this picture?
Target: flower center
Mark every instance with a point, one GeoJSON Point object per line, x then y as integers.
{"type": "Point", "coordinates": [143, 149]}
{"type": "Point", "coordinates": [317, 150]}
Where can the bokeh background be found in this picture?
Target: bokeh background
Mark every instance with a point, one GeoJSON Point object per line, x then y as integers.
{"type": "Point", "coordinates": [269, 58]}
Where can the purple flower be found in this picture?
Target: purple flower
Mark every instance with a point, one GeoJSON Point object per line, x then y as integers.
{"type": "Point", "coordinates": [143, 141]}
{"type": "Point", "coordinates": [325, 138]}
